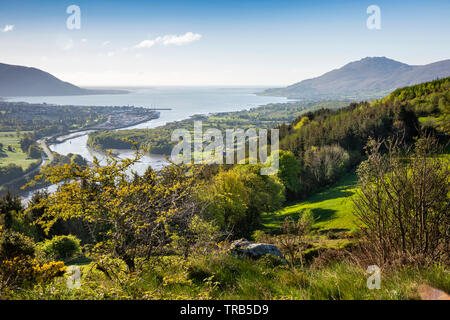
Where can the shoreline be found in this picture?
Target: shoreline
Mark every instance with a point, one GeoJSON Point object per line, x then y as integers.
{"type": "Point", "coordinates": [52, 140]}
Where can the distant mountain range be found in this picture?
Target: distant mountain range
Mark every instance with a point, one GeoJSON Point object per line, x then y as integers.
{"type": "Point", "coordinates": [24, 81]}
{"type": "Point", "coordinates": [371, 77]}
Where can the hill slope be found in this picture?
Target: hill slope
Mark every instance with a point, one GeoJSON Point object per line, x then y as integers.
{"type": "Point", "coordinates": [371, 77]}
{"type": "Point", "coordinates": [25, 81]}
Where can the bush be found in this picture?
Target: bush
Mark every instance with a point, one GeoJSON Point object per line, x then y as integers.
{"type": "Point", "coordinates": [61, 247]}
{"type": "Point", "coordinates": [327, 163]}
{"type": "Point", "coordinates": [271, 261]}
{"type": "Point", "coordinates": [403, 206]}
{"type": "Point", "coordinates": [238, 197]}
{"type": "Point", "coordinates": [307, 220]}
{"type": "Point", "coordinates": [14, 244]}
{"type": "Point", "coordinates": [259, 236]}
{"type": "Point", "coordinates": [34, 152]}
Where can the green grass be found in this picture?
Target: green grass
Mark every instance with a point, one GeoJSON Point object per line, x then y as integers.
{"type": "Point", "coordinates": [221, 276]}
{"type": "Point", "coordinates": [17, 156]}
{"type": "Point", "coordinates": [332, 208]}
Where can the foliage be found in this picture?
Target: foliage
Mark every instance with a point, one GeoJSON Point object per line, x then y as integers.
{"type": "Point", "coordinates": [139, 212]}
{"type": "Point", "coordinates": [61, 247]}
{"type": "Point", "coordinates": [301, 123]}
{"type": "Point", "coordinates": [327, 143]}
{"type": "Point", "coordinates": [404, 205]}
{"type": "Point", "coordinates": [288, 173]}
{"type": "Point", "coordinates": [14, 244]}
{"type": "Point", "coordinates": [34, 152]}
{"type": "Point", "coordinates": [326, 164]}
{"type": "Point", "coordinates": [292, 241]}
{"type": "Point", "coordinates": [237, 198]}
{"type": "Point", "coordinates": [158, 140]}
{"type": "Point", "coordinates": [24, 271]}
{"type": "Point", "coordinates": [222, 276]}
{"type": "Point", "coordinates": [10, 205]}
{"type": "Point", "coordinates": [259, 236]}
{"type": "Point", "coordinates": [26, 141]}
{"type": "Point", "coordinates": [425, 98]}
{"type": "Point", "coordinates": [18, 265]}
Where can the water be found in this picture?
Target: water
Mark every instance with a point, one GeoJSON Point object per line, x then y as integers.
{"type": "Point", "coordinates": [79, 145]}
{"type": "Point", "coordinates": [184, 102]}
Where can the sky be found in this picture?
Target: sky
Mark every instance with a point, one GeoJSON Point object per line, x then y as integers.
{"type": "Point", "coordinates": [229, 42]}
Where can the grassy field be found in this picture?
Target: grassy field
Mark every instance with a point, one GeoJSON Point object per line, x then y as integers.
{"type": "Point", "coordinates": [332, 208]}
{"type": "Point", "coordinates": [16, 156]}
{"type": "Point", "coordinates": [222, 276]}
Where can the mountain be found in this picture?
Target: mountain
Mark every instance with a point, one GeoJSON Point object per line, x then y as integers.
{"type": "Point", "coordinates": [371, 77]}
{"type": "Point", "coordinates": [25, 81]}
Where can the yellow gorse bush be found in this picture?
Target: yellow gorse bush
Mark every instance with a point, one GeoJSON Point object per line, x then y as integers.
{"type": "Point", "coordinates": [20, 269]}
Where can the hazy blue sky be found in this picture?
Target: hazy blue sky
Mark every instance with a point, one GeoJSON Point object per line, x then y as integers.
{"type": "Point", "coordinates": [211, 42]}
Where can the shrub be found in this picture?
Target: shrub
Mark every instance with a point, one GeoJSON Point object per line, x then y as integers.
{"type": "Point", "coordinates": [14, 244]}
{"type": "Point", "coordinates": [327, 163]}
{"type": "Point", "coordinates": [61, 247]}
{"type": "Point", "coordinates": [238, 197]}
{"type": "Point", "coordinates": [306, 219]}
{"type": "Point", "coordinates": [271, 261]}
{"type": "Point", "coordinates": [288, 173]}
{"type": "Point", "coordinates": [34, 152]}
{"type": "Point", "coordinates": [48, 271]}
{"type": "Point", "coordinates": [26, 271]}
{"type": "Point", "coordinates": [404, 206]}
{"type": "Point", "coordinates": [259, 236]}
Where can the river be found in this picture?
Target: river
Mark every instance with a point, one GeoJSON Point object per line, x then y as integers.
{"type": "Point", "coordinates": [184, 102]}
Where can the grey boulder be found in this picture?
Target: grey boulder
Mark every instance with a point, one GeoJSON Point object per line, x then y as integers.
{"type": "Point", "coordinates": [245, 248]}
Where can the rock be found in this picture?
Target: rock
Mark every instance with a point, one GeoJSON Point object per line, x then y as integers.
{"type": "Point", "coordinates": [245, 248]}
{"type": "Point", "coordinates": [429, 293]}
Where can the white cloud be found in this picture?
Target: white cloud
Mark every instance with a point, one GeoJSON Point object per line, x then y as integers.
{"type": "Point", "coordinates": [68, 45]}
{"type": "Point", "coordinates": [84, 40]}
{"type": "Point", "coordinates": [104, 44]}
{"type": "Point", "coordinates": [7, 28]}
{"type": "Point", "coordinates": [110, 54]}
{"type": "Point", "coordinates": [167, 40]}
{"type": "Point", "coordinates": [146, 44]}
{"type": "Point", "coordinates": [179, 40]}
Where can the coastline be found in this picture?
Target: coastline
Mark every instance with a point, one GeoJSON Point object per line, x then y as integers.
{"type": "Point", "coordinates": [23, 179]}
{"type": "Point", "coordinates": [53, 139]}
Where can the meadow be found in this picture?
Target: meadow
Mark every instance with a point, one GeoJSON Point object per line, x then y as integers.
{"type": "Point", "coordinates": [13, 155]}
{"type": "Point", "coordinates": [332, 208]}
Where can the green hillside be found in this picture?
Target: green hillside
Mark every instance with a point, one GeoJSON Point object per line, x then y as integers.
{"type": "Point", "coordinates": [332, 208]}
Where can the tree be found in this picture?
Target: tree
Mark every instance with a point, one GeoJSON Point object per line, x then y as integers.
{"type": "Point", "coordinates": [326, 163]}
{"type": "Point", "coordinates": [237, 198]}
{"type": "Point", "coordinates": [403, 202]}
{"type": "Point", "coordinates": [25, 142]}
{"type": "Point", "coordinates": [34, 152]}
{"type": "Point", "coordinates": [10, 205]}
{"type": "Point", "coordinates": [292, 240]}
{"type": "Point", "coordinates": [138, 213]}
{"type": "Point", "coordinates": [288, 173]}
{"type": "Point", "coordinates": [78, 159]}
